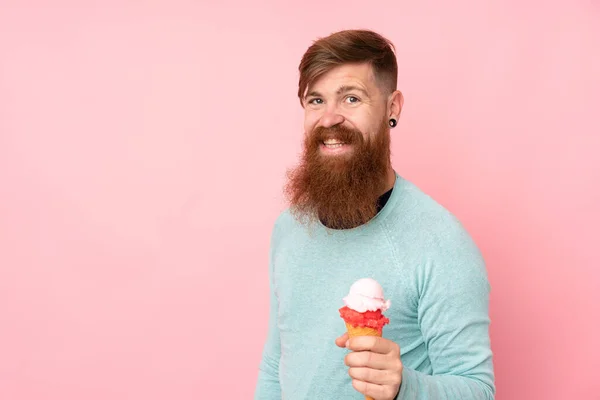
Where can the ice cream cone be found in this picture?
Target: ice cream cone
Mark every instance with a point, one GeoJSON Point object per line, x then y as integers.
{"type": "Point", "coordinates": [354, 331]}
{"type": "Point", "coordinates": [363, 311]}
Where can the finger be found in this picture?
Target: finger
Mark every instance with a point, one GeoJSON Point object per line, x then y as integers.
{"type": "Point", "coordinates": [368, 359]}
{"type": "Point", "coordinates": [341, 341]}
{"type": "Point", "coordinates": [375, 344]}
{"type": "Point", "coordinates": [373, 390]}
{"type": "Point", "coordinates": [376, 376]}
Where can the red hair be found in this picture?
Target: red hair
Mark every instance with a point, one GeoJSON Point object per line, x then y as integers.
{"type": "Point", "coordinates": [349, 46]}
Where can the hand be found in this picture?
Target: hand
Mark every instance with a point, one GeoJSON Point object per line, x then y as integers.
{"type": "Point", "coordinates": [375, 365]}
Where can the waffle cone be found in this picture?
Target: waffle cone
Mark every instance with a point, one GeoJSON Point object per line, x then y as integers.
{"type": "Point", "coordinates": [362, 331]}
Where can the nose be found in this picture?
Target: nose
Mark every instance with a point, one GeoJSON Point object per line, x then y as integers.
{"type": "Point", "coordinates": [331, 118]}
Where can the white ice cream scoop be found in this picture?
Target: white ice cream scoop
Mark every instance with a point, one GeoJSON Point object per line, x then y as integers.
{"type": "Point", "coordinates": [366, 294]}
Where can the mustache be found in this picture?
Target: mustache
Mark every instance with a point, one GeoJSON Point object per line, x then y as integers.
{"type": "Point", "coordinates": [341, 133]}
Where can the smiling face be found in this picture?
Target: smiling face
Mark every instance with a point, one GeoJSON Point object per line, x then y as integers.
{"type": "Point", "coordinates": [345, 165]}
{"type": "Point", "coordinates": [347, 97]}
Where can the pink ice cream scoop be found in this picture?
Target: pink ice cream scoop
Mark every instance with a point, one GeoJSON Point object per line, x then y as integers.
{"type": "Point", "coordinates": [366, 295]}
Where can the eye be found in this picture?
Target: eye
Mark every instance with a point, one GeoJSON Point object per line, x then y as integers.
{"type": "Point", "coordinates": [352, 99]}
{"type": "Point", "coordinates": [316, 100]}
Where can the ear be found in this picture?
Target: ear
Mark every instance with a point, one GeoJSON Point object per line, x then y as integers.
{"type": "Point", "coordinates": [395, 103]}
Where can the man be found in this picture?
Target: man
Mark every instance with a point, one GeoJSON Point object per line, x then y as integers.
{"type": "Point", "coordinates": [352, 216]}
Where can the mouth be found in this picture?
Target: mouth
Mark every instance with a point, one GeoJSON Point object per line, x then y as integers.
{"type": "Point", "coordinates": [334, 146]}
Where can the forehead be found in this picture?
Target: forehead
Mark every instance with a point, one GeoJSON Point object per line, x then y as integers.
{"type": "Point", "coordinates": [357, 74]}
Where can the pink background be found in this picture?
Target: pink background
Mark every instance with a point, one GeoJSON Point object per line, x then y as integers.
{"type": "Point", "coordinates": [143, 147]}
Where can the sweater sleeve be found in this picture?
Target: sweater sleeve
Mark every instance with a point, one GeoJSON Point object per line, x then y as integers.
{"type": "Point", "coordinates": [454, 321]}
{"type": "Point", "coordinates": [267, 387]}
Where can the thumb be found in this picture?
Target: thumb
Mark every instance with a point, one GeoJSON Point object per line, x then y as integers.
{"type": "Point", "coordinates": [341, 341]}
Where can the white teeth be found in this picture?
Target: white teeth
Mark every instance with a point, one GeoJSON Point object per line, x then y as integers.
{"type": "Point", "coordinates": [333, 146]}
{"type": "Point", "coordinates": [332, 141]}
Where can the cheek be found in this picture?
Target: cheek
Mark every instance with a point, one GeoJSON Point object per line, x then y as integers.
{"type": "Point", "coordinates": [364, 123]}
{"type": "Point", "coordinates": [369, 134]}
{"type": "Point", "coordinates": [310, 120]}
{"type": "Point", "coordinates": [307, 128]}
{"type": "Point", "coordinates": [308, 125]}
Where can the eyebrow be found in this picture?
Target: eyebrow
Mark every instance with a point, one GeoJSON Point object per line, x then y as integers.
{"type": "Point", "coordinates": [341, 89]}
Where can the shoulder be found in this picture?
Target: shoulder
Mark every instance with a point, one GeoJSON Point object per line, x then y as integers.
{"type": "Point", "coordinates": [429, 227]}
{"type": "Point", "coordinates": [284, 222]}
{"type": "Point", "coordinates": [442, 249]}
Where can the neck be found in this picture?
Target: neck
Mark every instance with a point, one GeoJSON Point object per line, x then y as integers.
{"type": "Point", "coordinates": [390, 180]}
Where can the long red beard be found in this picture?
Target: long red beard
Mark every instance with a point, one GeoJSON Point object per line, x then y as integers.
{"type": "Point", "coordinates": [340, 190]}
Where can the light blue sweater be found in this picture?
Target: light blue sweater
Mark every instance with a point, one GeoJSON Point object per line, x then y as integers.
{"type": "Point", "coordinates": [429, 268]}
